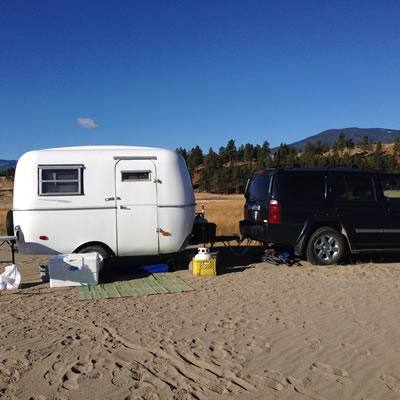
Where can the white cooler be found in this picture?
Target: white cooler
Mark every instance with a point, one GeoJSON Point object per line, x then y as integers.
{"type": "Point", "coordinates": [74, 269]}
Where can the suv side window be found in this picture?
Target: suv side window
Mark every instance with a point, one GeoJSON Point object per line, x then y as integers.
{"type": "Point", "coordinates": [391, 187]}
{"type": "Point", "coordinates": [354, 188]}
{"type": "Point", "coordinates": [305, 187]}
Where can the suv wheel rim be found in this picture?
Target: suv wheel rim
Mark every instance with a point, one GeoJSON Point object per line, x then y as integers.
{"type": "Point", "coordinates": [326, 247]}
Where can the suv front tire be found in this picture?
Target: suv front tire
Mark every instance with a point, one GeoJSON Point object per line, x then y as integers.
{"type": "Point", "coordinates": [326, 247]}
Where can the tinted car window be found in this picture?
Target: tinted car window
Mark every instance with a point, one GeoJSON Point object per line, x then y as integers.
{"type": "Point", "coordinates": [391, 187]}
{"type": "Point", "coordinates": [354, 188]}
{"type": "Point", "coordinates": [302, 187]}
{"type": "Point", "coordinates": [258, 187]}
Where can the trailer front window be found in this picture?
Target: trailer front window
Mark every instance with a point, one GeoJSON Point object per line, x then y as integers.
{"type": "Point", "coordinates": [60, 180]}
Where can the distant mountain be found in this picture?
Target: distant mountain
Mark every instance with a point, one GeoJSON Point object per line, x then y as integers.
{"type": "Point", "coordinates": [4, 164]}
{"type": "Point", "coordinates": [356, 134]}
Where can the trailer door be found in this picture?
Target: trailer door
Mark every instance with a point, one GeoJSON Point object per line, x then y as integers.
{"type": "Point", "coordinates": [136, 201]}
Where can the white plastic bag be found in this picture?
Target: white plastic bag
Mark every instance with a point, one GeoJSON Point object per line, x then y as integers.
{"type": "Point", "coordinates": [3, 283]}
{"type": "Point", "coordinates": [11, 277]}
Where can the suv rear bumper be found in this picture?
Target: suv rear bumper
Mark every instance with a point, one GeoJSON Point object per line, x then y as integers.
{"type": "Point", "coordinates": [271, 233]}
{"type": "Point", "coordinates": [251, 230]}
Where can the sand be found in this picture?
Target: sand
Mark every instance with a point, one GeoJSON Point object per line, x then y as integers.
{"type": "Point", "coordinates": [257, 331]}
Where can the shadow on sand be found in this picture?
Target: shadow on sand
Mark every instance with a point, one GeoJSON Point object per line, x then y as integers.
{"type": "Point", "coordinates": [123, 268]}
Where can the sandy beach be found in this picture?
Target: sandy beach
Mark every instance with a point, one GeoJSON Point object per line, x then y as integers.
{"type": "Point", "coordinates": [257, 331]}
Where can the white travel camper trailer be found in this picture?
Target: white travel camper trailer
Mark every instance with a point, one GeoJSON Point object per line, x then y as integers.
{"type": "Point", "coordinates": [116, 200]}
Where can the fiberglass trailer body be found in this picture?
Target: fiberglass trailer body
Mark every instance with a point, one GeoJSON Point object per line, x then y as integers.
{"type": "Point", "coordinates": [116, 200]}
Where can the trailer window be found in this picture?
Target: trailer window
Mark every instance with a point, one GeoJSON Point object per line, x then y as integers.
{"type": "Point", "coordinates": [60, 180]}
{"type": "Point", "coordinates": [133, 176]}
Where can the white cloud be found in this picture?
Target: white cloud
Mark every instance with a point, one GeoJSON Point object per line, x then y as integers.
{"type": "Point", "coordinates": [87, 123]}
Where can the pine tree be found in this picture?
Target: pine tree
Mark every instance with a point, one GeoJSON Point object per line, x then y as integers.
{"type": "Point", "coordinates": [182, 152]}
{"type": "Point", "coordinates": [248, 153]}
{"type": "Point", "coordinates": [396, 146]}
{"type": "Point", "coordinates": [194, 159]}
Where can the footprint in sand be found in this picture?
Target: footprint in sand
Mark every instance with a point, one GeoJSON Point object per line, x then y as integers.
{"type": "Point", "coordinates": [146, 392]}
{"type": "Point", "coordinates": [8, 348]}
{"type": "Point", "coordinates": [363, 352]}
{"type": "Point", "coordinates": [76, 374]}
{"type": "Point", "coordinates": [391, 382]}
{"type": "Point", "coordinates": [338, 374]}
{"type": "Point", "coordinates": [10, 370]}
{"type": "Point", "coordinates": [258, 344]}
{"type": "Point", "coordinates": [58, 368]}
{"type": "Point", "coordinates": [366, 325]}
{"type": "Point", "coordinates": [217, 350]}
{"type": "Point", "coordinates": [300, 386]}
{"type": "Point", "coordinates": [123, 374]}
{"type": "Point", "coordinates": [308, 325]}
{"type": "Point", "coordinates": [314, 344]}
{"type": "Point", "coordinates": [271, 379]}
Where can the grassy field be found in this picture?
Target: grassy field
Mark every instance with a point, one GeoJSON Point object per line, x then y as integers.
{"type": "Point", "coordinates": [3, 214]}
{"type": "Point", "coordinates": [224, 210]}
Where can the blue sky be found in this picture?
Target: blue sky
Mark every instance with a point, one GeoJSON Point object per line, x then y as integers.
{"type": "Point", "coordinates": [186, 73]}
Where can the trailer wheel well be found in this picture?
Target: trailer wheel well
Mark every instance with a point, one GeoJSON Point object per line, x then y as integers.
{"type": "Point", "coordinates": [103, 246]}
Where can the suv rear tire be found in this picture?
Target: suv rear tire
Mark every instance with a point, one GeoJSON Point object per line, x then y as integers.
{"type": "Point", "coordinates": [326, 247]}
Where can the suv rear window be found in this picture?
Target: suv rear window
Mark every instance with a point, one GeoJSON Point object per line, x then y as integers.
{"type": "Point", "coordinates": [258, 190]}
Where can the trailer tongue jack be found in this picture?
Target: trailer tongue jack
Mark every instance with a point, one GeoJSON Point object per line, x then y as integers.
{"type": "Point", "coordinates": [204, 232]}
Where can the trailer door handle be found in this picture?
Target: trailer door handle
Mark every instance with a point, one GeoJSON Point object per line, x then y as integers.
{"type": "Point", "coordinates": [112, 198]}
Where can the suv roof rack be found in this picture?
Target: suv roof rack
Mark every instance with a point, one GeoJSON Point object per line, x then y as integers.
{"type": "Point", "coordinates": [294, 165]}
{"type": "Point", "coordinates": [353, 166]}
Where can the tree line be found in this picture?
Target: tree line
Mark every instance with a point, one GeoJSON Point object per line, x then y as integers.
{"type": "Point", "coordinates": [8, 173]}
{"type": "Point", "coordinates": [228, 170]}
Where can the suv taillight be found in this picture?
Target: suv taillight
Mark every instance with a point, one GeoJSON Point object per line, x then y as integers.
{"type": "Point", "coordinates": [274, 212]}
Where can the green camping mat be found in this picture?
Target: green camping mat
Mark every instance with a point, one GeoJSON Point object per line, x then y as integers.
{"type": "Point", "coordinates": [151, 284]}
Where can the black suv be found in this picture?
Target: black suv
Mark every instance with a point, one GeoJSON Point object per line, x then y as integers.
{"type": "Point", "coordinates": [322, 213]}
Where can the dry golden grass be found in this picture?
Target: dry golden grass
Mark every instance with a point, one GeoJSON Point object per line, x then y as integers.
{"type": "Point", "coordinates": [224, 210]}
{"type": "Point", "coordinates": [6, 193]}
{"type": "Point", "coordinates": [3, 214]}
{"type": "Point", "coordinates": [211, 196]}
{"type": "Point", "coordinates": [6, 196]}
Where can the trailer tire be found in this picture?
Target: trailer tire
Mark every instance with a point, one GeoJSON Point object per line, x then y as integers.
{"type": "Point", "coordinates": [10, 223]}
{"type": "Point", "coordinates": [99, 250]}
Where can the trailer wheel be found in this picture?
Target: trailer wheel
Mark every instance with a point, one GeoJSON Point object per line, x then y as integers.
{"type": "Point", "coordinates": [10, 223]}
{"type": "Point", "coordinates": [96, 249]}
